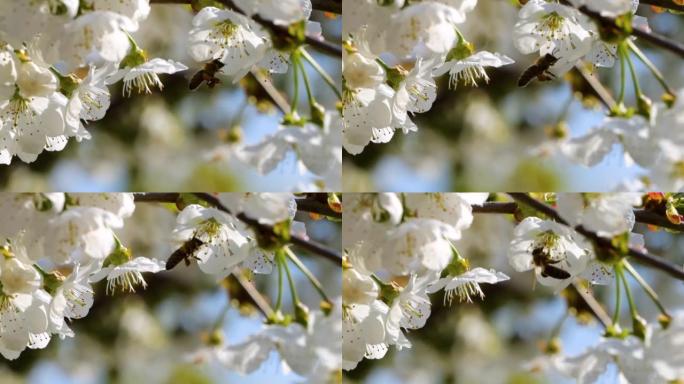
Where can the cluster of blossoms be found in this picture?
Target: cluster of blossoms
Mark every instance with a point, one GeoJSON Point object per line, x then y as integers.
{"type": "Point", "coordinates": [383, 39]}
{"type": "Point", "coordinates": [645, 131]}
{"type": "Point", "coordinates": [309, 342]}
{"type": "Point", "coordinates": [399, 249]}
{"type": "Point", "coordinates": [55, 246]}
{"type": "Point", "coordinates": [243, 45]}
{"type": "Point", "coordinates": [646, 353]}
{"type": "Point", "coordinates": [58, 57]}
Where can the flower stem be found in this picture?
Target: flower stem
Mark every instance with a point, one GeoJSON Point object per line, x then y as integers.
{"type": "Point", "coordinates": [632, 71]}
{"type": "Point", "coordinates": [310, 276]}
{"type": "Point", "coordinates": [647, 288]}
{"type": "Point", "coordinates": [295, 70]}
{"type": "Point", "coordinates": [293, 289]}
{"type": "Point", "coordinates": [651, 67]}
{"type": "Point", "coordinates": [618, 300]}
{"type": "Point", "coordinates": [324, 75]}
{"type": "Point", "coordinates": [628, 291]}
{"type": "Point", "coordinates": [307, 86]}
{"type": "Point", "coordinates": [623, 75]}
{"type": "Point", "coordinates": [279, 299]}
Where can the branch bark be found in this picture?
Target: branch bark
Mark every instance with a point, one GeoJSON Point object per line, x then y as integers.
{"type": "Point", "coordinates": [640, 256]}
{"type": "Point", "coordinates": [667, 4]}
{"type": "Point", "coordinates": [640, 215]}
{"type": "Point", "coordinates": [652, 37]}
{"type": "Point", "coordinates": [322, 5]}
{"type": "Point", "coordinates": [304, 243]}
{"type": "Point", "coordinates": [327, 6]}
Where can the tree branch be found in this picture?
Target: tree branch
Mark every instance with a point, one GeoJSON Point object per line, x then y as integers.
{"type": "Point", "coordinates": [327, 6]}
{"type": "Point", "coordinates": [322, 5]}
{"type": "Point", "coordinates": [642, 257]}
{"type": "Point", "coordinates": [496, 207]}
{"type": "Point", "coordinates": [254, 293]}
{"type": "Point", "coordinates": [640, 215]}
{"type": "Point", "coordinates": [307, 244]}
{"type": "Point", "coordinates": [652, 37]}
{"type": "Point", "coordinates": [315, 206]}
{"type": "Point", "coordinates": [593, 304]}
{"type": "Point", "coordinates": [667, 4]}
{"type": "Point", "coordinates": [267, 85]}
{"type": "Point", "coordinates": [304, 243]}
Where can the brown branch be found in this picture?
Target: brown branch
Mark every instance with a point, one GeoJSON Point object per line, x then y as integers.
{"type": "Point", "coordinates": [601, 91]}
{"type": "Point", "coordinates": [640, 215]}
{"type": "Point", "coordinates": [299, 241]}
{"type": "Point", "coordinates": [652, 218]}
{"type": "Point", "coordinates": [666, 4]}
{"type": "Point", "coordinates": [315, 206]}
{"type": "Point", "coordinates": [254, 293]}
{"type": "Point", "coordinates": [593, 304]}
{"type": "Point", "coordinates": [267, 85]}
{"type": "Point", "coordinates": [640, 256]}
{"type": "Point", "coordinates": [496, 207]}
{"type": "Point", "coordinates": [323, 5]}
{"type": "Point", "coordinates": [331, 6]}
{"type": "Point", "coordinates": [652, 37]}
{"type": "Point", "coordinates": [304, 243]}
{"type": "Point", "coordinates": [320, 45]}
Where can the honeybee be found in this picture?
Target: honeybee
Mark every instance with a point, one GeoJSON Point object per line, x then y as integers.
{"type": "Point", "coordinates": [184, 253]}
{"type": "Point", "coordinates": [545, 263]}
{"type": "Point", "coordinates": [208, 74]}
{"type": "Point", "coordinates": [540, 70]}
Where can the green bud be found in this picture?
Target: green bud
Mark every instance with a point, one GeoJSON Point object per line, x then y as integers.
{"type": "Point", "coordinates": [462, 50]}
{"type": "Point", "coordinates": [326, 307]}
{"type": "Point", "coordinates": [317, 114]}
{"type": "Point", "coordinates": [301, 314]}
{"type": "Point", "coordinates": [664, 320]}
{"type": "Point", "coordinates": [644, 106]}
{"type": "Point", "coordinates": [52, 281]}
{"type": "Point", "coordinates": [120, 255]}
{"type": "Point", "coordinates": [639, 327]}
{"type": "Point", "coordinates": [395, 75]}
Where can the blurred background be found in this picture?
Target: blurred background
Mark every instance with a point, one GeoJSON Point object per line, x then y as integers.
{"type": "Point", "coordinates": [159, 335]}
{"type": "Point", "coordinates": [177, 140]}
{"type": "Point", "coordinates": [501, 339]}
{"type": "Point", "coordinates": [496, 137]}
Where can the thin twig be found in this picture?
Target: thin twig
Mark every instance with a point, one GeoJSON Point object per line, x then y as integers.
{"type": "Point", "coordinates": [254, 293]}
{"type": "Point", "coordinates": [496, 207]}
{"type": "Point", "coordinates": [652, 37]}
{"type": "Point", "coordinates": [314, 206]}
{"type": "Point", "coordinates": [321, 45]}
{"type": "Point", "coordinates": [596, 309]}
{"type": "Point", "coordinates": [640, 215]}
{"type": "Point", "coordinates": [327, 6]}
{"type": "Point", "coordinates": [667, 4]}
{"type": "Point", "coordinates": [304, 243]}
{"type": "Point", "coordinates": [297, 240]}
{"type": "Point", "coordinates": [275, 95]}
{"type": "Point", "coordinates": [640, 256]}
{"type": "Point", "coordinates": [601, 91]}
